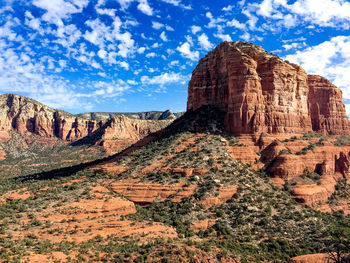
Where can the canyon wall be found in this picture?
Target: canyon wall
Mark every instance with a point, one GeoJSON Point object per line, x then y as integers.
{"type": "Point", "coordinates": [27, 116]}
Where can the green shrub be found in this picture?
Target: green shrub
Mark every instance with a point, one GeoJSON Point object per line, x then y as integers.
{"type": "Point", "coordinates": [342, 140]}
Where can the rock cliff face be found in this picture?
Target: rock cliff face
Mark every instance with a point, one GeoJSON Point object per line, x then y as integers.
{"type": "Point", "coordinates": [269, 103]}
{"type": "Point", "coordinates": [27, 116]}
{"type": "Point", "coordinates": [262, 93]}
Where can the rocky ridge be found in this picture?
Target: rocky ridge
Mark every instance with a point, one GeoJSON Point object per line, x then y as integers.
{"type": "Point", "coordinates": [27, 117]}
{"type": "Point", "coordinates": [149, 115]}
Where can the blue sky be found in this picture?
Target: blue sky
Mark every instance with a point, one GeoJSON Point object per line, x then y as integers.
{"type": "Point", "coordinates": [138, 55]}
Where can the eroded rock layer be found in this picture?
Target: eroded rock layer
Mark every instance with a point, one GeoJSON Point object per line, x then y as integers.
{"type": "Point", "coordinates": [27, 117]}
{"type": "Point", "coordinates": [262, 93]}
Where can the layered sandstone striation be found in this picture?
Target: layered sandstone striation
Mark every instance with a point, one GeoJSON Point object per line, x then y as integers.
{"type": "Point", "coordinates": [27, 117]}
{"type": "Point", "coordinates": [259, 92]}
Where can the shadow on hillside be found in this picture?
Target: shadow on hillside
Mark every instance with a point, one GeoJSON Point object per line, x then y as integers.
{"type": "Point", "coordinates": [207, 119]}
{"type": "Point", "coordinates": [94, 137]}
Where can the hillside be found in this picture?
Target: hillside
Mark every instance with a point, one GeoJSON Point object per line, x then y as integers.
{"type": "Point", "coordinates": [34, 137]}
{"type": "Point", "coordinates": [181, 194]}
{"type": "Point", "coordinates": [256, 170]}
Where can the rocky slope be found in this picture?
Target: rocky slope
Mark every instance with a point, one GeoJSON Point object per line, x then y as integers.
{"type": "Point", "coordinates": [261, 93]}
{"type": "Point", "coordinates": [178, 195]}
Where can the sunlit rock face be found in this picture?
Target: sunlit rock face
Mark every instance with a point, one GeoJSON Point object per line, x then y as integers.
{"type": "Point", "coordinates": [262, 93]}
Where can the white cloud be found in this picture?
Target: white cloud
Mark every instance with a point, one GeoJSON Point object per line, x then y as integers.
{"type": "Point", "coordinates": [326, 13]}
{"type": "Point", "coordinates": [189, 39]}
{"type": "Point", "coordinates": [157, 25]}
{"type": "Point", "coordinates": [170, 51]}
{"type": "Point", "coordinates": [99, 33]}
{"type": "Point", "coordinates": [102, 35]}
{"type": "Point", "coordinates": [106, 11]}
{"type": "Point", "coordinates": [169, 28]}
{"type": "Point", "coordinates": [235, 23]}
{"type": "Point", "coordinates": [163, 36]}
{"type": "Point", "coordinates": [265, 8]}
{"type": "Point", "coordinates": [289, 21]}
{"type": "Point", "coordinates": [213, 22]}
{"type": "Point", "coordinates": [185, 51]}
{"type": "Point", "coordinates": [151, 55]}
{"type": "Point", "coordinates": [293, 45]}
{"type": "Point", "coordinates": [195, 29]}
{"type": "Point", "coordinates": [124, 3]}
{"type": "Point", "coordinates": [174, 63]}
{"type": "Point", "coordinates": [245, 36]}
{"type": "Point", "coordinates": [178, 4]}
{"type": "Point", "coordinates": [6, 31]}
{"type": "Point", "coordinates": [228, 8]}
{"type": "Point", "coordinates": [141, 50]}
{"type": "Point", "coordinates": [330, 59]}
{"type": "Point", "coordinates": [31, 21]}
{"type": "Point", "coordinates": [60, 9]}
{"type": "Point", "coordinates": [132, 82]}
{"type": "Point", "coordinates": [145, 8]}
{"type": "Point", "coordinates": [102, 53]}
{"type": "Point", "coordinates": [204, 42]}
{"type": "Point", "coordinates": [124, 65]}
{"type": "Point", "coordinates": [223, 37]}
{"type": "Point", "coordinates": [107, 89]}
{"type": "Point", "coordinates": [172, 2]}
{"type": "Point", "coordinates": [18, 74]}
{"type": "Point", "coordinates": [252, 19]}
{"type": "Point", "coordinates": [62, 63]}
{"type": "Point", "coordinates": [126, 46]}
{"type": "Point", "coordinates": [162, 79]}
{"type": "Point", "coordinates": [96, 65]}
{"type": "Point", "coordinates": [68, 35]}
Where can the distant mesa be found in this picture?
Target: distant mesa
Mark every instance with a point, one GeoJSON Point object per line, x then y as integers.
{"type": "Point", "coordinates": [261, 93]}
{"type": "Point", "coordinates": [149, 115]}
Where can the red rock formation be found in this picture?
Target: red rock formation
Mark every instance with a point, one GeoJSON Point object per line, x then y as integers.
{"type": "Point", "coordinates": [145, 193]}
{"type": "Point", "coordinates": [310, 194]}
{"type": "Point", "coordinates": [225, 193]}
{"type": "Point", "coordinates": [261, 93]}
{"type": "Point", "coordinates": [324, 160]}
{"type": "Point", "coordinates": [327, 109]}
{"type": "Point", "coordinates": [27, 116]}
{"type": "Point", "coordinates": [203, 224]}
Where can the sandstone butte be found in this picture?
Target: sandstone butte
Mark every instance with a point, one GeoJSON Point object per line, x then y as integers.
{"type": "Point", "coordinates": [265, 100]}
{"type": "Point", "coordinates": [261, 93]}
{"type": "Point", "coordinates": [27, 117]}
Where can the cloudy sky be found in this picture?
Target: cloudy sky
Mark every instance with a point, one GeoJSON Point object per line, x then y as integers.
{"type": "Point", "coordinates": [138, 55]}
